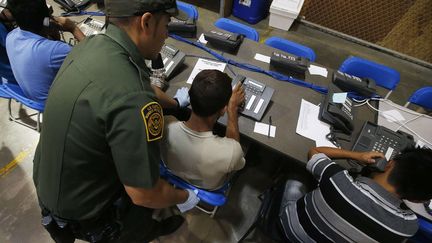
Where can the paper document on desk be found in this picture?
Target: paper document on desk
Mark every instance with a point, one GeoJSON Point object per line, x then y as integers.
{"type": "Point", "coordinates": [202, 39]}
{"type": "Point", "coordinates": [262, 58]}
{"type": "Point", "coordinates": [393, 116]}
{"type": "Point", "coordinates": [316, 70]}
{"type": "Point", "coordinates": [308, 125]}
{"type": "Point", "coordinates": [396, 117]}
{"type": "Point", "coordinates": [263, 128]}
{"type": "Point", "coordinates": [204, 64]}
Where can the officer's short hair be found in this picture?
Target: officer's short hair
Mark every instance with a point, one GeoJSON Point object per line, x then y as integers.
{"type": "Point", "coordinates": [29, 14]}
{"type": "Point", "coordinates": [411, 174]}
{"type": "Point", "coordinates": [210, 92]}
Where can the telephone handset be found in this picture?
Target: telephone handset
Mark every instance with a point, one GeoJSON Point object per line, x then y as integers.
{"type": "Point", "coordinates": [72, 5]}
{"type": "Point", "coordinates": [362, 86]}
{"type": "Point", "coordinates": [225, 41]}
{"type": "Point", "coordinates": [183, 28]}
{"type": "Point", "coordinates": [289, 62]}
{"type": "Point", "coordinates": [338, 115]}
{"type": "Point", "coordinates": [172, 59]}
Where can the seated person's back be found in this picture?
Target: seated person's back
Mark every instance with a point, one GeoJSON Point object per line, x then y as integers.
{"type": "Point", "coordinates": [364, 209]}
{"type": "Point", "coordinates": [190, 149]}
{"type": "Point", "coordinates": [34, 49]}
{"type": "Point", "coordinates": [35, 61]}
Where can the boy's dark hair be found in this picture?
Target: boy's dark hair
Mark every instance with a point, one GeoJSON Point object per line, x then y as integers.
{"type": "Point", "coordinates": [29, 14]}
{"type": "Point", "coordinates": [411, 174]}
{"type": "Point", "coordinates": [210, 92]}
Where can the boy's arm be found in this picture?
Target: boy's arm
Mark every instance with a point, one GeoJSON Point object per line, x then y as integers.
{"type": "Point", "coordinates": [335, 153]}
{"type": "Point", "coordinates": [236, 99]}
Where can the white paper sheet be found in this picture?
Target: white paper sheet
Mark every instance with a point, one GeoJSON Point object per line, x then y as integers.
{"type": "Point", "coordinates": [339, 97]}
{"type": "Point", "coordinates": [308, 124]}
{"type": "Point", "coordinates": [203, 64]}
{"type": "Point", "coordinates": [263, 128]}
{"type": "Point", "coordinates": [315, 70]}
{"type": "Point", "coordinates": [262, 58]}
{"type": "Point", "coordinates": [202, 39]}
{"type": "Point", "coordinates": [393, 116]}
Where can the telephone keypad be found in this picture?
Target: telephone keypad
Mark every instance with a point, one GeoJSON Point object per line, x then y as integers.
{"type": "Point", "coordinates": [252, 88]}
{"type": "Point", "coordinates": [383, 144]}
{"type": "Point", "coordinates": [168, 51]}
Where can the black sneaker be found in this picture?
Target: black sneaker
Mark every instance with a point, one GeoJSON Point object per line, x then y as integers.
{"type": "Point", "coordinates": [170, 224]}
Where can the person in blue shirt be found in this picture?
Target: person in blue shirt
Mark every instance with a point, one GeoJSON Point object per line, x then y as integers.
{"type": "Point", "coordinates": [6, 25]}
{"type": "Point", "coordinates": [34, 48]}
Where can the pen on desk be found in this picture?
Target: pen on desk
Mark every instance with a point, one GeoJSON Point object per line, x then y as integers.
{"type": "Point", "coordinates": [270, 124]}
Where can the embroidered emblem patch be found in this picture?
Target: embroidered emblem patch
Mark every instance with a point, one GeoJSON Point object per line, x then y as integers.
{"type": "Point", "coordinates": [153, 119]}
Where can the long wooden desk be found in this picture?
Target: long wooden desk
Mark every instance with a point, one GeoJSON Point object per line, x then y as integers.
{"type": "Point", "coordinates": [285, 106]}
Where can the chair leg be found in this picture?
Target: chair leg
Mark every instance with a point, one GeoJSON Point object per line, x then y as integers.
{"type": "Point", "coordinates": [251, 228]}
{"type": "Point", "coordinates": [17, 119]}
{"type": "Point", "coordinates": [211, 213]}
{"type": "Point", "coordinates": [11, 118]}
{"type": "Point", "coordinates": [214, 212]}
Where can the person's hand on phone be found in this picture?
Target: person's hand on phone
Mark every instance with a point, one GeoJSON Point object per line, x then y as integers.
{"type": "Point", "coordinates": [66, 24]}
{"type": "Point", "coordinates": [237, 97]}
{"type": "Point", "coordinates": [368, 157]}
{"type": "Point", "coordinates": [63, 23]}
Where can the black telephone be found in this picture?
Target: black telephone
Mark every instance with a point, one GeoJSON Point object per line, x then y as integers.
{"type": "Point", "coordinates": [288, 62]}
{"type": "Point", "coordinates": [381, 139]}
{"type": "Point", "coordinates": [92, 27]}
{"type": "Point", "coordinates": [339, 116]}
{"type": "Point", "coordinates": [172, 59]}
{"type": "Point", "coordinates": [224, 40]}
{"type": "Point", "coordinates": [257, 97]}
{"type": "Point", "coordinates": [362, 86]}
{"type": "Point", "coordinates": [72, 5]}
{"type": "Point", "coordinates": [182, 28]}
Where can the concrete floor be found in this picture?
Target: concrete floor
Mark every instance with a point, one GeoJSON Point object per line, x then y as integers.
{"type": "Point", "coordinates": [19, 212]}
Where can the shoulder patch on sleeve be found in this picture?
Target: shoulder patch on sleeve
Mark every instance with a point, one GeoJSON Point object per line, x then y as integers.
{"type": "Point", "coordinates": [154, 121]}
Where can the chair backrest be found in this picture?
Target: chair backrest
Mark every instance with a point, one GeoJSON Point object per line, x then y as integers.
{"type": "Point", "coordinates": [189, 9]}
{"type": "Point", "coordinates": [214, 198]}
{"type": "Point", "coordinates": [236, 27]}
{"type": "Point", "coordinates": [291, 47]}
{"type": "Point", "coordinates": [422, 97]}
{"type": "Point", "coordinates": [16, 93]}
{"type": "Point", "coordinates": [382, 75]}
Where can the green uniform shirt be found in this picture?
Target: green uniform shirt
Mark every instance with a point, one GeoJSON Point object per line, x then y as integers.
{"type": "Point", "coordinates": [101, 128]}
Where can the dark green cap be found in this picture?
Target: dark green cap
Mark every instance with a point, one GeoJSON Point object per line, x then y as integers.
{"type": "Point", "coordinates": [126, 8]}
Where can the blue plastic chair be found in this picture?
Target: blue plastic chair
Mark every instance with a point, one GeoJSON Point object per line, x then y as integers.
{"type": "Point", "coordinates": [422, 97]}
{"type": "Point", "coordinates": [236, 27]}
{"type": "Point", "coordinates": [291, 47]}
{"type": "Point", "coordinates": [3, 93]}
{"type": "Point", "coordinates": [382, 75]}
{"type": "Point", "coordinates": [424, 233]}
{"type": "Point", "coordinates": [16, 93]}
{"type": "Point", "coordinates": [214, 198]}
{"type": "Point", "coordinates": [189, 9]}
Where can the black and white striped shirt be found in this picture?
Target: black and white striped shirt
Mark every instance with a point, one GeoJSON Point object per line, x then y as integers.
{"type": "Point", "coordinates": [343, 209]}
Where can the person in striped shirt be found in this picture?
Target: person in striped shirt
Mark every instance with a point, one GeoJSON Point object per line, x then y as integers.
{"type": "Point", "coordinates": [362, 209]}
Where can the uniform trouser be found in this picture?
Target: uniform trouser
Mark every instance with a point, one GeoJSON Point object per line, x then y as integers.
{"type": "Point", "coordinates": [134, 225]}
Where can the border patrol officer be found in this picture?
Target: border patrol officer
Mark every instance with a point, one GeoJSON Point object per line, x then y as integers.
{"type": "Point", "coordinates": [96, 167]}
